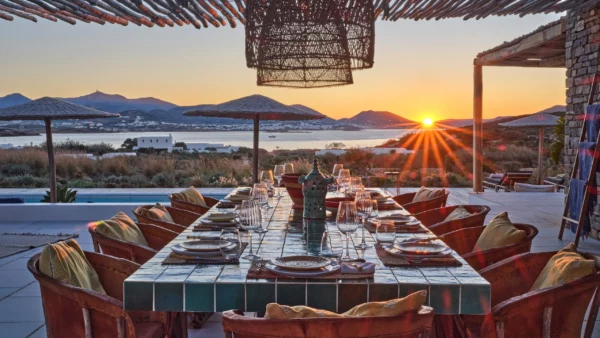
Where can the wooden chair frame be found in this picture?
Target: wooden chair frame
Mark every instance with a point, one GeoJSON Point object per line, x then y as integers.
{"type": "Point", "coordinates": [509, 179]}
{"type": "Point", "coordinates": [406, 201]}
{"type": "Point", "coordinates": [410, 325]}
{"type": "Point", "coordinates": [76, 312]}
{"type": "Point", "coordinates": [197, 208]}
{"type": "Point", "coordinates": [156, 237]}
{"type": "Point", "coordinates": [542, 313]}
{"type": "Point", "coordinates": [462, 241]}
{"type": "Point", "coordinates": [434, 219]}
{"type": "Point", "coordinates": [182, 219]}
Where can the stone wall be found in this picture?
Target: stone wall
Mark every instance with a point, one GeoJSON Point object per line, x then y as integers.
{"type": "Point", "coordinates": [582, 46]}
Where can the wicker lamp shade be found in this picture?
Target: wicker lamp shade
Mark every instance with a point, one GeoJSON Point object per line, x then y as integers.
{"type": "Point", "coordinates": [308, 43]}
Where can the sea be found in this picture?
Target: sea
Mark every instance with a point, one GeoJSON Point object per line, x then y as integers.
{"type": "Point", "coordinates": [317, 139]}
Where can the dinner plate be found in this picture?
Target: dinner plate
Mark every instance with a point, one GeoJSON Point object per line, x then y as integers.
{"type": "Point", "coordinates": [421, 248]}
{"type": "Point", "coordinates": [226, 201]}
{"type": "Point", "coordinates": [397, 217]}
{"type": "Point", "coordinates": [394, 250]}
{"type": "Point", "coordinates": [301, 263]}
{"type": "Point", "coordinates": [218, 224]}
{"type": "Point", "coordinates": [221, 216]}
{"type": "Point", "coordinates": [183, 252]}
{"type": "Point", "coordinates": [333, 267]}
{"type": "Point", "coordinates": [203, 245]}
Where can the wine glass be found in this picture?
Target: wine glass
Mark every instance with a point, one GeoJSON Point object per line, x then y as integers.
{"type": "Point", "coordinates": [332, 245]}
{"type": "Point", "coordinates": [344, 178]}
{"type": "Point", "coordinates": [278, 171]}
{"type": "Point", "coordinates": [250, 220]}
{"type": "Point", "coordinates": [347, 222]}
{"type": "Point", "coordinates": [385, 232]}
{"type": "Point", "coordinates": [261, 196]}
{"type": "Point", "coordinates": [374, 209]}
{"type": "Point", "coordinates": [335, 173]}
{"type": "Point", "coordinates": [364, 205]}
{"type": "Point", "coordinates": [230, 243]}
{"type": "Point", "coordinates": [355, 182]}
{"type": "Point", "coordinates": [288, 168]}
{"type": "Point", "coordinates": [266, 177]}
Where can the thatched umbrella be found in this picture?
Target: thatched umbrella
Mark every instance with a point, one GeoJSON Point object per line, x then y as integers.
{"type": "Point", "coordinates": [256, 107]}
{"type": "Point", "coordinates": [540, 120]}
{"type": "Point", "coordinates": [48, 109]}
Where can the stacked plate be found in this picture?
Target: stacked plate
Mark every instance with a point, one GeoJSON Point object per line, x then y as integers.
{"type": "Point", "coordinates": [418, 249]}
{"type": "Point", "coordinates": [302, 266]}
{"type": "Point", "coordinates": [223, 219]}
{"type": "Point", "coordinates": [402, 221]}
{"type": "Point", "coordinates": [200, 248]}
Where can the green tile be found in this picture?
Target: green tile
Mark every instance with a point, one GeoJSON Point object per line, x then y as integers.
{"type": "Point", "coordinates": [199, 297]}
{"type": "Point", "coordinates": [350, 295]}
{"type": "Point", "coordinates": [382, 292]}
{"type": "Point", "coordinates": [138, 296]}
{"type": "Point", "coordinates": [258, 295]}
{"type": "Point", "coordinates": [322, 296]}
{"type": "Point", "coordinates": [168, 297]}
{"type": "Point", "coordinates": [291, 294]}
{"type": "Point", "coordinates": [445, 299]}
{"type": "Point", "coordinates": [230, 297]}
{"type": "Point", "coordinates": [475, 298]}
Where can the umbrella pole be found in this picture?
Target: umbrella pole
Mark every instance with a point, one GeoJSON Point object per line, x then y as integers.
{"type": "Point", "coordinates": [255, 153]}
{"type": "Point", "coordinates": [51, 165]}
{"type": "Point", "coordinates": [540, 154]}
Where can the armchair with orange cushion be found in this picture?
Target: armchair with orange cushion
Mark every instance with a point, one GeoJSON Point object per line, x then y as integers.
{"type": "Point", "coordinates": [78, 312]}
{"type": "Point", "coordinates": [447, 219]}
{"type": "Point", "coordinates": [192, 200]}
{"type": "Point", "coordinates": [500, 239]}
{"type": "Point", "coordinates": [169, 218]}
{"type": "Point", "coordinates": [111, 239]}
{"type": "Point", "coordinates": [532, 298]}
{"type": "Point", "coordinates": [422, 200]}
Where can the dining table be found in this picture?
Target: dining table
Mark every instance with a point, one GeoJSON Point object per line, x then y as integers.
{"type": "Point", "coordinates": [452, 290]}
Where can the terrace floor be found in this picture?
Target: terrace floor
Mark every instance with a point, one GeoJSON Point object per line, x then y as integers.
{"type": "Point", "coordinates": [21, 313]}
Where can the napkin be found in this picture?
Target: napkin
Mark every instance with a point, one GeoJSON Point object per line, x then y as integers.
{"type": "Point", "coordinates": [358, 268]}
{"type": "Point", "coordinates": [222, 217]}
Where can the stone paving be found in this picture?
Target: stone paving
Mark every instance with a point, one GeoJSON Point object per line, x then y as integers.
{"type": "Point", "coordinates": [21, 313]}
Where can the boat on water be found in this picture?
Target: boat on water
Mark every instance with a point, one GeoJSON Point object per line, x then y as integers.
{"type": "Point", "coordinates": [272, 136]}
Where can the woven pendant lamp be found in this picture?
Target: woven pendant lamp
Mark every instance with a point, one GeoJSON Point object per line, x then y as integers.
{"type": "Point", "coordinates": [308, 43]}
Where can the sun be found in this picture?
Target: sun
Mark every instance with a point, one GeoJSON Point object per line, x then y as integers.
{"type": "Point", "coordinates": [428, 122]}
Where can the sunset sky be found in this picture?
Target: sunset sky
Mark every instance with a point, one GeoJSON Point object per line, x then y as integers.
{"type": "Point", "coordinates": [422, 69]}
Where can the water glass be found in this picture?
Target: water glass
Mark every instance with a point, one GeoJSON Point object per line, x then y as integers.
{"type": "Point", "coordinates": [363, 205]}
{"type": "Point", "coordinates": [385, 233]}
{"type": "Point", "coordinates": [347, 222]}
{"type": "Point", "coordinates": [249, 214]}
{"type": "Point", "coordinates": [288, 168]}
{"type": "Point", "coordinates": [332, 245]}
{"type": "Point", "coordinates": [251, 256]}
{"type": "Point", "coordinates": [278, 171]}
{"type": "Point", "coordinates": [260, 193]}
{"type": "Point", "coordinates": [231, 243]}
{"type": "Point", "coordinates": [335, 173]}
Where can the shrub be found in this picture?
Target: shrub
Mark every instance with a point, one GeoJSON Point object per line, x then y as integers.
{"type": "Point", "coordinates": [15, 169]}
{"type": "Point", "coordinates": [164, 180]}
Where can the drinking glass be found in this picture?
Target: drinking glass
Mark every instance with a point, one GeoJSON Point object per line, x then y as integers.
{"type": "Point", "coordinates": [335, 173]}
{"type": "Point", "coordinates": [266, 177]}
{"type": "Point", "coordinates": [230, 243]}
{"type": "Point", "coordinates": [288, 168]}
{"type": "Point", "coordinates": [364, 205]}
{"type": "Point", "coordinates": [278, 171]}
{"type": "Point", "coordinates": [332, 245]}
{"type": "Point", "coordinates": [347, 222]}
{"type": "Point", "coordinates": [355, 182]}
{"type": "Point", "coordinates": [250, 216]}
{"type": "Point", "coordinates": [260, 192]}
{"type": "Point", "coordinates": [386, 232]}
{"type": "Point", "coordinates": [344, 178]}
{"type": "Point", "coordinates": [374, 209]}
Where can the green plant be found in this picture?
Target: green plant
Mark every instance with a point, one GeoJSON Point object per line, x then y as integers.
{"type": "Point", "coordinates": [63, 195]}
{"type": "Point", "coordinates": [558, 145]}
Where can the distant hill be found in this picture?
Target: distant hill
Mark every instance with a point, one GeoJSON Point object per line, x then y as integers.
{"type": "Point", "coordinates": [13, 100]}
{"type": "Point", "coordinates": [310, 110]}
{"type": "Point", "coordinates": [115, 103]}
{"type": "Point", "coordinates": [378, 119]}
{"type": "Point", "coordinates": [459, 123]}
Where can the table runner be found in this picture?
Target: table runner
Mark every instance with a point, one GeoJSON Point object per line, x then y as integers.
{"type": "Point", "coordinates": [217, 259]}
{"type": "Point", "coordinates": [392, 260]}
{"type": "Point", "coordinates": [260, 272]}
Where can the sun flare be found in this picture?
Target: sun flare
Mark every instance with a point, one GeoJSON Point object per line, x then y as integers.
{"type": "Point", "coordinates": [428, 122]}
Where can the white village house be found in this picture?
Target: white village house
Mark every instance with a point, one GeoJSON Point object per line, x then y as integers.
{"type": "Point", "coordinates": [167, 143]}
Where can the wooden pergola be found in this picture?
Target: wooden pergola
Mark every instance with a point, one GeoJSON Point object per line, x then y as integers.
{"type": "Point", "coordinates": [543, 48]}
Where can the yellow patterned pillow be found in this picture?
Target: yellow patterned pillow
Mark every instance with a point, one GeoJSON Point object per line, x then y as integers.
{"type": "Point", "coordinates": [564, 267]}
{"type": "Point", "coordinates": [66, 262]}
{"type": "Point", "coordinates": [157, 212]}
{"type": "Point", "coordinates": [498, 233]}
{"type": "Point", "coordinates": [123, 228]}
{"type": "Point", "coordinates": [458, 213]}
{"type": "Point", "coordinates": [190, 195]}
{"type": "Point", "coordinates": [425, 194]}
{"type": "Point", "coordinates": [394, 307]}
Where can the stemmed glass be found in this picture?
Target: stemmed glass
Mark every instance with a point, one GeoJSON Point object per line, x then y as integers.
{"type": "Point", "coordinates": [355, 184]}
{"type": "Point", "coordinates": [266, 177]}
{"type": "Point", "coordinates": [364, 206]}
{"type": "Point", "coordinates": [347, 222]}
{"type": "Point", "coordinates": [278, 171]}
{"type": "Point", "coordinates": [250, 219]}
{"type": "Point", "coordinates": [374, 209]}
{"type": "Point", "coordinates": [288, 168]}
{"type": "Point", "coordinates": [332, 245]}
{"type": "Point", "coordinates": [261, 197]}
{"type": "Point", "coordinates": [230, 243]}
{"type": "Point", "coordinates": [335, 173]}
{"type": "Point", "coordinates": [344, 178]}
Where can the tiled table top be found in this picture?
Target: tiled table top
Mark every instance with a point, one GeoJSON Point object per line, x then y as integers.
{"type": "Point", "coordinates": [208, 288]}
